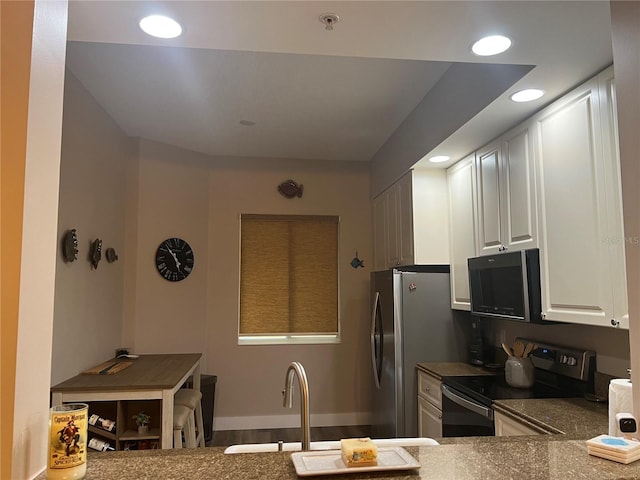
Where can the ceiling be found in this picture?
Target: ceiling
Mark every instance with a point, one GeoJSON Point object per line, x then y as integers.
{"type": "Point", "coordinates": [318, 94]}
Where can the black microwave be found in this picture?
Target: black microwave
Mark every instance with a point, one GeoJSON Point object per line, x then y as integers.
{"type": "Point", "coordinates": [506, 286]}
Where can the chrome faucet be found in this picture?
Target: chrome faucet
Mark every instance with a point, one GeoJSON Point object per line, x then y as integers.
{"type": "Point", "coordinates": [298, 369]}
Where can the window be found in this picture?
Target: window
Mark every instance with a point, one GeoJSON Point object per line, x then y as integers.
{"type": "Point", "coordinates": [288, 279]}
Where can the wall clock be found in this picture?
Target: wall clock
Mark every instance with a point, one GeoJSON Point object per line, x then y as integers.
{"type": "Point", "coordinates": [174, 259]}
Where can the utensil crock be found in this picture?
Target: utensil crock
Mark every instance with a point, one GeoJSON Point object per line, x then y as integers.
{"type": "Point", "coordinates": [519, 372]}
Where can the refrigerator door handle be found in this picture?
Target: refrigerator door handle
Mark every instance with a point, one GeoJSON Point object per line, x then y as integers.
{"type": "Point", "coordinates": [376, 336]}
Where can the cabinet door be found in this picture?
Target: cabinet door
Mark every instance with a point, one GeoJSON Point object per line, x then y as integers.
{"type": "Point", "coordinates": [508, 427]}
{"type": "Point", "coordinates": [379, 232]}
{"type": "Point", "coordinates": [488, 195]}
{"type": "Point", "coordinates": [393, 226]}
{"type": "Point", "coordinates": [517, 190]}
{"type": "Point", "coordinates": [460, 178]}
{"type": "Point", "coordinates": [616, 239]}
{"type": "Point", "coordinates": [404, 224]}
{"type": "Point", "coordinates": [429, 420]}
{"type": "Point", "coordinates": [575, 278]}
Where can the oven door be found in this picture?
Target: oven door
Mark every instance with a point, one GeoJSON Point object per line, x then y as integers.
{"type": "Point", "coordinates": [463, 416]}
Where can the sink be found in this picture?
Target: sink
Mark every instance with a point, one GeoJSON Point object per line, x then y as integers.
{"type": "Point", "coordinates": [326, 445]}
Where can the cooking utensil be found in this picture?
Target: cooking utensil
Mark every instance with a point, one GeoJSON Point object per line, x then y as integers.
{"type": "Point", "coordinates": [518, 348]}
{"type": "Point", "coordinates": [507, 350]}
{"type": "Point", "coordinates": [528, 349]}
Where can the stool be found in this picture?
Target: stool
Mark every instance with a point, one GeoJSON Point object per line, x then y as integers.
{"type": "Point", "coordinates": [183, 422]}
{"type": "Point", "coordinates": [192, 399]}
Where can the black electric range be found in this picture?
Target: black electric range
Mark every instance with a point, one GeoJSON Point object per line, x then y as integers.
{"type": "Point", "coordinates": [487, 388]}
{"type": "Point", "coordinates": [467, 401]}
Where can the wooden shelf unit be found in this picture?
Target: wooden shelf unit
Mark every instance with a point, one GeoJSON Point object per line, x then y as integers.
{"type": "Point", "coordinates": [126, 429]}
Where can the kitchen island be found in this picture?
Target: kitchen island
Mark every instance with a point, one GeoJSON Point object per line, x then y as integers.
{"type": "Point", "coordinates": [542, 457]}
{"type": "Point", "coordinates": [560, 456]}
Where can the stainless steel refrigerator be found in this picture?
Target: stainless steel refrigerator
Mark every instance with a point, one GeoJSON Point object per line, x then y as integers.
{"type": "Point", "coordinates": [412, 322]}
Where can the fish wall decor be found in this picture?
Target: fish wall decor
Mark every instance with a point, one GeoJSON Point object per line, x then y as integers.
{"type": "Point", "coordinates": [356, 262]}
{"type": "Point", "coordinates": [290, 189]}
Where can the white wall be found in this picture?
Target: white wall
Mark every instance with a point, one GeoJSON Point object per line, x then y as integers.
{"type": "Point", "coordinates": [436, 117]}
{"type": "Point", "coordinates": [37, 275]}
{"type": "Point", "coordinates": [625, 20]}
{"type": "Point", "coordinates": [134, 194]}
{"type": "Point", "coordinates": [200, 198]}
{"type": "Point", "coordinates": [88, 301]}
{"type": "Point", "coordinates": [611, 345]}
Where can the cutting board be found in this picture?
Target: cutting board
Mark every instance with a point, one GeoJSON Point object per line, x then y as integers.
{"type": "Point", "coordinates": [108, 368]}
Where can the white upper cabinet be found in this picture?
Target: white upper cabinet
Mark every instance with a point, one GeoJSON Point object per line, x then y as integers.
{"type": "Point", "coordinates": [552, 182]}
{"type": "Point", "coordinates": [462, 240]}
{"type": "Point", "coordinates": [488, 193]}
{"type": "Point", "coordinates": [505, 176]}
{"type": "Point", "coordinates": [380, 231]}
{"type": "Point", "coordinates": [616, 242]}
{"type": "Point", "coordinates": [410, 221]}
{"type": "Point", "coordinates": [579, 204]}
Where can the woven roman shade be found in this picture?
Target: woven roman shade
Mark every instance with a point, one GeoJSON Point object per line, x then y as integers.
{"type": "Point", "coordinates": [288, 274]}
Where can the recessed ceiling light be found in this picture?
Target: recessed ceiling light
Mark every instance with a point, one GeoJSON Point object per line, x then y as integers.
{"type": "Point", "coordinates": [491, 45]}
{"type": "Point", "coordinates": [160, 26]}
{"type": "Point", "coordinates": [527, 95]}
{"type": "Point", "coordinates": [439, 159]}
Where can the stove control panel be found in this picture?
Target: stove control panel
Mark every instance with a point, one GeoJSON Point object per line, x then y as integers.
{"type": "Point", "coordinates": [572, 362]}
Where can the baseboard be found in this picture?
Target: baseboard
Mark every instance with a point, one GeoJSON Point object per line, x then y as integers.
{"type": "Point", "coordinates": [290, 421]}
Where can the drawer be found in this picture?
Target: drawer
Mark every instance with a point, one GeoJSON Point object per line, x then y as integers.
{"type": "Point", "coordinates": [429, 388]}
{"type": "Point", "coordinates": [508, 427]}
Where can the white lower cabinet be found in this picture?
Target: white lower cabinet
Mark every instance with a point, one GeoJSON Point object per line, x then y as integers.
{"type": "Point", "coordinates": [429, 406]}
{"type": "Point", "coordinates": [429, 419]}
{"type": "Point", "coordinates": [509, 427]}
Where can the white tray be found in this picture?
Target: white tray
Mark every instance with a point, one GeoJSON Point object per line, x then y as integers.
{"type": "Point", "coordinates": [329, 462]}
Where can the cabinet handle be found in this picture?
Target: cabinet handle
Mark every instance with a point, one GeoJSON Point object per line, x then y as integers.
{"type": "Point", "coordinates": [615, 323]}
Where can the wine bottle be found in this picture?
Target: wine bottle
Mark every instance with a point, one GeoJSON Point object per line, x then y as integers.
{"type": "Point", "coordinates": [104, 423]}
{"type": "Point", "coordinates": [100, 445]}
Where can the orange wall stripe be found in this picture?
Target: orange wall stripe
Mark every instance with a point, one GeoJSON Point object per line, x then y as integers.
{"type": "Point", "coordinates": [16, 21]}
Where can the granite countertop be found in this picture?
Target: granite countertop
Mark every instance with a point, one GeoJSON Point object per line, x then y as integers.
{"type": "Point", "coordinates": [476, 459]}
{"type": "Point", "coordinates": [450, 369]}
{"type": "Point", "coordinates": [576, 417]}
{"type": "Point", "coordinates": [536, 457]}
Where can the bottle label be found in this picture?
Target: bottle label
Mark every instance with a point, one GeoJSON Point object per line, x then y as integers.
{"type": "Point", "coordinates": [99, 445]}
{"type": "Point", "coordinates": [108, 425]}
{"type": "Point", "coordinates": [103, 423]}
{"type": "Point", "coordinates": [67, 438]}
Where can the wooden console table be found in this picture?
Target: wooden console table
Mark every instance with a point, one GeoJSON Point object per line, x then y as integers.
{"type": "Point", "coordinates": [150, 377]}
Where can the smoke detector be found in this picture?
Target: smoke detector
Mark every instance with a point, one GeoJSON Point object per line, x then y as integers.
{"type": "Point", "coordinates": [329, 19]}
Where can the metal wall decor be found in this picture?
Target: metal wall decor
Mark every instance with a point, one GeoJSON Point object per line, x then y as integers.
{"type": "Point", "coordinates": [96, 252]}
{"type": "Point", "coordinates": [356, 262]}
{"type": "Point", "coordinates": [70, 245]}
{"type": "Point", "coordinates": [111, 255]}
{"type": "Point", "coordinates": [290, 189]}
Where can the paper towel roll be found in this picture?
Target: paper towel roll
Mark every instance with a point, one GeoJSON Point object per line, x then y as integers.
{"type": "Point", "coordinates": [620, 401]}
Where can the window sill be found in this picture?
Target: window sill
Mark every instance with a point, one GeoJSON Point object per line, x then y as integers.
{"type": "Point", "coordinates": [287, 339]}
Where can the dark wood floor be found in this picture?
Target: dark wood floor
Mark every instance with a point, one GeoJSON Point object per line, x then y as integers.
{"type": "Point", "coordinates": [233, 437]}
